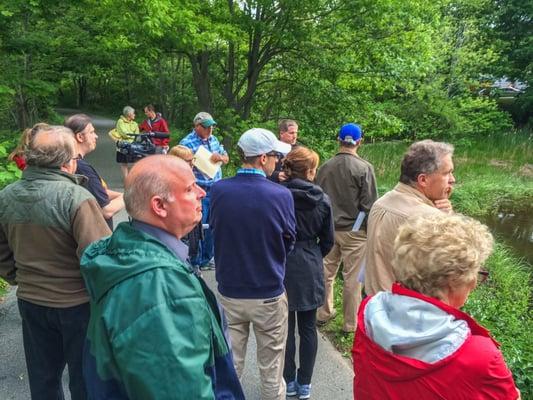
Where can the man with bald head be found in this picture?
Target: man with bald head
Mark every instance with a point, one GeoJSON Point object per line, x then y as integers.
{"type": "Point", "coordinates": [156, 330]}
{"type": "Point", "coordinates": [46, 220]}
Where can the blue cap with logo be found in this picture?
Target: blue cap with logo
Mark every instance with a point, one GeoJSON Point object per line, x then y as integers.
{"type": "Point", "coordinates": [350, 133]}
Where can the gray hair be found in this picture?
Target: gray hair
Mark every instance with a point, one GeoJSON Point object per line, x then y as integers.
{"type": "Point", "coordinates": [127, 111]}
{"type": "Point", "coordinates": [283, 124]}
{"type": "Point", "coordinates": [141, 188]}
{"type": "Point", "coordinates": [424, 157]}
{"type": "Point", "coordinates": [51, 147]}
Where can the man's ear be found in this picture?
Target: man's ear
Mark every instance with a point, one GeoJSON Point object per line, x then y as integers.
{"type": "Point", "coordinates": [263, 159]}
{"type": "Point", "coordinates": [79, 137]}
{"type": "Point", "coordinates": [158, 206]}
{"type": "Point", "coordinates": [422, 180]}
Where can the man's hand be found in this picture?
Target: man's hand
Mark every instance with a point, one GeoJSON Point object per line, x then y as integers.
{"type": "Point", "coordinates": [215, 157]}
{"type": "Point", "coordinates": [444, 205]}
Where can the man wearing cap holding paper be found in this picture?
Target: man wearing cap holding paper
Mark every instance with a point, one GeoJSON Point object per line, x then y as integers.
{"type": "Point", "coordinates": [202, 135]}
{"type": "Point", "coordinates": [350, 183]}
{"type": "Point", "coordinates": [253, 226]}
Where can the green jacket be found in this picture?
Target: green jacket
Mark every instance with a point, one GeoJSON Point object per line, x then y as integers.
{"type": "Point", "coordinates": [46, 220]}
{"type": "Point", "coordinates": [154, 330]}
{"type": "Point", "coordinates": [125, 126]}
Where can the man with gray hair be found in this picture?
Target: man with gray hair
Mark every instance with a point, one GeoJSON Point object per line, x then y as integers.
{"type": "Point", "coordinates": [156, 331]}
{"type": "Point", "coordinates": [426, 183]}
{"type": "Point", "coordinates": [46, 220]}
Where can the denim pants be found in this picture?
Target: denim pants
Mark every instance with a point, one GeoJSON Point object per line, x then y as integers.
{"type": "Point", "coordinates": [308, 347]}
{"type": "Point", "coordinates": [206, 250]}
{"type": "Point", "coordinates": [53, 338]}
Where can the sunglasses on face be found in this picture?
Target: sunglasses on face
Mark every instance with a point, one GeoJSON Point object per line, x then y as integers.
{"type": "Point", "coordinates": [274, 154]}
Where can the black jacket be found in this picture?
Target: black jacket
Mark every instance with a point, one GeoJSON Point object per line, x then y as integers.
{"type": "Point", "coordinates": [304, 276]}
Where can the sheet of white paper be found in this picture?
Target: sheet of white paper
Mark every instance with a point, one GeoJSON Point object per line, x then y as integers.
{"type": "Point", "coordinates": [359, 221]}
{"type": "Point", "coordinates": [202, 161]}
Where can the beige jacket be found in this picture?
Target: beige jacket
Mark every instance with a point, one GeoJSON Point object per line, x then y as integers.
{"type": "Point", "coordinates": [386, 216]}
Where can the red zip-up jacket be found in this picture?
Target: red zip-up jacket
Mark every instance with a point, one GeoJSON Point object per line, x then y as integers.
{"type": "Point", "coordinates": [475, 370]}
{"type": "Point", "coordinates": [157, 125]}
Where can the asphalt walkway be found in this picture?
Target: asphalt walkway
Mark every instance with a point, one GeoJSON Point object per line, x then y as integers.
{"type": "Point", "coordinates": [332, 379]}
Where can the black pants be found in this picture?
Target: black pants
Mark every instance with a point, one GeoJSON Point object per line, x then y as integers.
{"type": "Point", "coordinates": [308, 346]}
{"type": "Point", "coordinates": [52, 338]}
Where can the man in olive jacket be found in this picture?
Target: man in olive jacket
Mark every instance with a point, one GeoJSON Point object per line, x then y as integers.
{"type": "Point", "coordinates": [46, 220]}
{"type": "Point", "coordinates": [156, 330]}
{"type": "Point", "coordinates": [350, 183]}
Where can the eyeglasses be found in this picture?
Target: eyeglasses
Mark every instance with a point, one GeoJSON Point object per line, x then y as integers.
{"type": "Point", "coordinates": [274, 154]}
{"type": "Point", "coordinates": [483, 275]}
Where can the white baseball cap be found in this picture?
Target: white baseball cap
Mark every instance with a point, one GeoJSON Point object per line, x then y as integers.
{"type": "Point", "coordinates": [257, 141]}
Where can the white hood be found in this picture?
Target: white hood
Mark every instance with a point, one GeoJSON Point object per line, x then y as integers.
{"type": "Point", "coordinates": [413, 328]}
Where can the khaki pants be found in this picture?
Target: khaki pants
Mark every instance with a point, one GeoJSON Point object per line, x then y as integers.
{"type": "Point", "coordinates": [349, 248]}
{"type": "Point", "coordinates": [269, 320]}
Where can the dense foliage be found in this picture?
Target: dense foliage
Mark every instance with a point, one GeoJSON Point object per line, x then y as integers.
{"type": "Point", "coordinates": [401, 68]}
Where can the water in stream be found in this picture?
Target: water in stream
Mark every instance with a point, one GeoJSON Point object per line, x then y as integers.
{"type": "Point", "coordinates": [516, 230]}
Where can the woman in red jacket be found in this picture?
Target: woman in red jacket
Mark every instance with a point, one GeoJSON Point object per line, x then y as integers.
{"type": "Point", "coordinates": [414, 342]}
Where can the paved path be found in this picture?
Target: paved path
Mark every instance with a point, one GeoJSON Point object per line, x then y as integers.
{"type": "Point", "coordinates": [332, 379]}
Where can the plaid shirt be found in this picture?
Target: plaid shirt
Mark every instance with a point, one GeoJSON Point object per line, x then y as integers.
{"type": "Point", "coordinates": [193, 141]}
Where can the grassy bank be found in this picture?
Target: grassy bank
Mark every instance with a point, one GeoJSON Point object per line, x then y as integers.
{"type": "Point", "coordinates": [492, 174]}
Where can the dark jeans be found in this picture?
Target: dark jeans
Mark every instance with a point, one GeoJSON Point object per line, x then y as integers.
{"type": "Point", "coordinates": [206, 250]}
{"type": "Point", "coordinates": [308, 347]}
{"type": "Point", "coordinates": [52, 338]}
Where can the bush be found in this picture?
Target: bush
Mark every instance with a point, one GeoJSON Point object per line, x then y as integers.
{"type": "Point", "coordinates": [8, 170]}
{"type": "Point", "coordinates": [502, 305]}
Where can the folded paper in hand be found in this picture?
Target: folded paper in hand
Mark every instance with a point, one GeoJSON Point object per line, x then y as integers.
{"type": "Point", "coordinates": [202, 161]}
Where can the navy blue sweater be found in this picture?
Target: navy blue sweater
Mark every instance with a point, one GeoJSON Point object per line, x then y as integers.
{"type": "Point", "coordinates": [253, 225]}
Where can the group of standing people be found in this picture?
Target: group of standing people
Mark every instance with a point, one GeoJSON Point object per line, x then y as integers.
{"type": "Point", "coordinates": [154, 328]}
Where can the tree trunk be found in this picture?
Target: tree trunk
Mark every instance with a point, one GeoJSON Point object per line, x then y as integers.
{"type": "Point", "coordinates": [200, 79]}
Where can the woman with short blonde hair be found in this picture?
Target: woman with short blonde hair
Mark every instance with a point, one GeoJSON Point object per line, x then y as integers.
{"type": "Point", "coordinates": [182, 152]}
{"type": "Point", "coordinates": [414, 342]}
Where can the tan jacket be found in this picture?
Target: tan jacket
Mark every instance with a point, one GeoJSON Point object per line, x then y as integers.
{"type": "Point", "coordinates": [46, 221]}
{"type": "Point", "coordinates": [386, 216]}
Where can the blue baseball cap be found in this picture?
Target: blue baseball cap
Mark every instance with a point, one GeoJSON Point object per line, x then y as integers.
{"type": "Point", "coordinates": [350, 133]}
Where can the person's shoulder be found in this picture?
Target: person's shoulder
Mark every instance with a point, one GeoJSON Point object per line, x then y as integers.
{"type": "Point", "coordinates": [188, 139]}
{"type": "Point", "coordinates": [483, 357]}
{"type": "Point", "coordinates": [83, 167]}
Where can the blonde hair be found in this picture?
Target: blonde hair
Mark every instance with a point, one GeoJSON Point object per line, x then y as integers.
{"type": "Point", "coordinates": [181, 152]}
{"type": "Point", "coordinates": [434, 252]}
{"type": "Point", "coordinates": [299, 161]}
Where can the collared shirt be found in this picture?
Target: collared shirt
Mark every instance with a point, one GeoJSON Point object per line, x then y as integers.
{"type": "Point", "coordinates": [175, 245]}
{"type": "Point", "coordinates": [193, 142]}
{"type": "Point", "coordinates": [251, 171]}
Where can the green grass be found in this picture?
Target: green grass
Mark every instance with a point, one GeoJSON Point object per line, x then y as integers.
{"type": "Point", "coordinates": [3, 288]}
{"type": "Point", "coordinates": [492, 174]}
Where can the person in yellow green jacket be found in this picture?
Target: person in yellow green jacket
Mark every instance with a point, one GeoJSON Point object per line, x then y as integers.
{"type": "Point", "coordinates": [126, 125]}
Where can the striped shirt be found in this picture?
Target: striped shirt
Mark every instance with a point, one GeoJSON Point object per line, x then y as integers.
{"type": "Point", "coordinates": [193, 142]}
